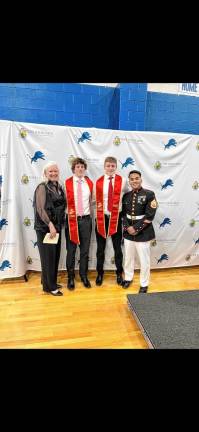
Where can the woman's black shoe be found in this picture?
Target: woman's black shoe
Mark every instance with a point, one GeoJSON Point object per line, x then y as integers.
{"type": "Point", "coordinates": [58, 293]}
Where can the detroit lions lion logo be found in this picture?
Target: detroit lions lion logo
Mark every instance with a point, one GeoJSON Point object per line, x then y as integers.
{"type": "Point", "coordinates": [38, 155]}
{"type": "Point", "coordinates": [166, 221]}
{"type": "Point", "coordinates": [3, 222]}
{"type": "Point", "coordinates": [167, 183]}
{"type": "Point", "coordinates": [162, 258]}
{"type": "Point", "coordinates": [5, 264]}
{"type": "Point", "coordinates": [128, 161]}
{"type": "Point", "coordinates": [84, 137]}
{"type": "Point", "coordinates": [171, 143]}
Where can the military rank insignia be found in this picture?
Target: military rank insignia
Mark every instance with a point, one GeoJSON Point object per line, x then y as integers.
{"type": "Point", "coordinates": [153, 204]}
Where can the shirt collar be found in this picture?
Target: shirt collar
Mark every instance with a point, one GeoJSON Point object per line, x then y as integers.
{"type": "Point", "coordinates": [107, 176]}
{"type": "Point", "coordinates": [78, 178]}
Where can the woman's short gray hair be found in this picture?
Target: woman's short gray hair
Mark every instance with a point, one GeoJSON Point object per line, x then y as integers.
{"type": "Point", "coordinates": [48, 165]}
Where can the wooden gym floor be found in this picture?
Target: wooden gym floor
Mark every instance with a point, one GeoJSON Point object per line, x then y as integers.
{"type": "Point", "coordinates": [85, 318]}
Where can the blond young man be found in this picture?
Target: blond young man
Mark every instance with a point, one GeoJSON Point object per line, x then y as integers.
{"type": "Point", "coordinates": [109, 190]}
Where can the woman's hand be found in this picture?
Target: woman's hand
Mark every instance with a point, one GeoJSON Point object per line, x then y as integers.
{"type": "Point", "coordinates": [52, 229]}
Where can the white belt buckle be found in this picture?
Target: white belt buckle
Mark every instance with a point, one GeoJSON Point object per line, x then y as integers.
{"type": "Point", "coordinates": [134, 217]}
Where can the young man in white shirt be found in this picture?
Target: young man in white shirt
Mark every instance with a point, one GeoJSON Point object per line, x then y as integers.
{"type": "Point", "coordinates": [78, 221]}
{"type": "Point", "coordinates": [109, 190]}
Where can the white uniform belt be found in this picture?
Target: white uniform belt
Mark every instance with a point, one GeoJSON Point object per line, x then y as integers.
{"type": "Point", "coordinates": [134, 217]}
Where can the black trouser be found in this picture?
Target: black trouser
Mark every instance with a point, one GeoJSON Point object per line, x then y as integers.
{"type": "Point", "coordinates": [101, 244]}
{"type": "Point", "coordinates": [49, 256]}
{"type": "Point", "coordinates": [85, 229]}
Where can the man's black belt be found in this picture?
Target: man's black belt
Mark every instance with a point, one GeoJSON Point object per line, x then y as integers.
{"type": "Point", "coordinates": [83, 217]}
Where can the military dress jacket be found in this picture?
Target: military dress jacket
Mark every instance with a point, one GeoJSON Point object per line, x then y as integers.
{"type": "Point", "coordinates": [139, 203]}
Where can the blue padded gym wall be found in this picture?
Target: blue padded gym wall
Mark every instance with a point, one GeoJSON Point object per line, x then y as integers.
{"type": "Point", "coordinates": [60, 104]}
{"type": "Point", "coordinates": [129, 106]}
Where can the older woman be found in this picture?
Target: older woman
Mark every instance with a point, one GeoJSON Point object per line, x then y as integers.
{"type": "Point", "coordinates": [49, 206]}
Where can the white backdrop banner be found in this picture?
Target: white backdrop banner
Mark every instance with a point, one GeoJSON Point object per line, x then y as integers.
{"type": "Point", "coordinates": [169, 165]}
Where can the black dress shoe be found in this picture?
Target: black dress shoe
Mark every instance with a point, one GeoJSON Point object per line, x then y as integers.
{"type": "Point", "coordinates": [143, 289]}
{"type": "Point", "coordinates": [86, 282]}
{"type": "Point", "coordinates": [126, 284]}
{"type": "Point", "coordinates": [71, 283]}
{"type": "Point", "coordinates": [58, 293]}
{"type": "Point", "coordinates": [119, 279]}
{"type": "Point", "coordinates": [99, 279]}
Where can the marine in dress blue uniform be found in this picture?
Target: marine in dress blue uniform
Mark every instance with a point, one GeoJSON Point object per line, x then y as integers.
{"type": "Point", "coordinates": [138, 208]}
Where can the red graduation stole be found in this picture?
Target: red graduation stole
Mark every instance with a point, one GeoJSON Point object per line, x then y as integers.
{"type": "Point", "coordinates": [113, 222]}
{"type": "Point", "coordinates": [72, 215]}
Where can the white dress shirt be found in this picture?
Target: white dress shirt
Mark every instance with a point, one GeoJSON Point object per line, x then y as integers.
{"type": "Point", "coordinates": [85, 194]}
{"type": "Point", "coordinates": [124, 189]}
